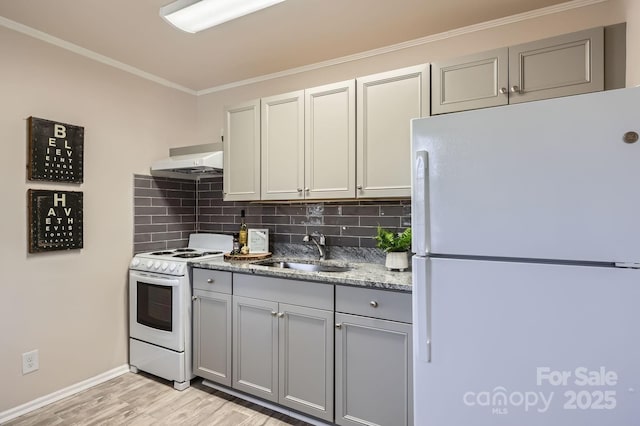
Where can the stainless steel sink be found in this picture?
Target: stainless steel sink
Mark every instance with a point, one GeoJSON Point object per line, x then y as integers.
{"type": "Point", "coordinates": [304, 266]}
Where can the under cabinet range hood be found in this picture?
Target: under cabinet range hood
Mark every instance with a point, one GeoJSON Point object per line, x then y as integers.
{"type": "Point", "coordinates": [190, 162]}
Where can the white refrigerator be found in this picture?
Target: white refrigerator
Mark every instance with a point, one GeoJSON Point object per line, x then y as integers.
{"type": "Point", "coordinates": [526, 287]}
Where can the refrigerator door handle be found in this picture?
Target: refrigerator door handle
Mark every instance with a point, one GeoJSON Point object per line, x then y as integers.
{"type": "Point", "coordinates": [420, 203]}
{"type": "Point", "coordinates": [421, 309]}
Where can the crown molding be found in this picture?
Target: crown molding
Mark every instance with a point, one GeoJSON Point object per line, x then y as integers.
{"type": "Point", "coordinates": [48, 38]}
{"type": "Point", "coordinates": [562, 7]}
{"type": "Point", "coordinates": [550, 10]}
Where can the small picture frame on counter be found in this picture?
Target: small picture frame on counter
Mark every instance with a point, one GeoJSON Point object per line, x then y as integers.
{"type": "Point", "coordinates": [258, 240]}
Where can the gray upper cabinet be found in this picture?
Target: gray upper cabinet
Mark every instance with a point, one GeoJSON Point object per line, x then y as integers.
{"type": "Point", "coordinates": [283, 146]}
{"type": "Point", "coordinates": [386, 102]}
{"type": "Point", "coordinates": [330, 141]}
{"type": "Point", "coordinates": [570, 64]}
{"type": "Point", "coordinates": [212, 325]}
{"type": "Point", "coordinates": [308, 143]}
{"type": "Point", "coordinates": [242, 152]}
{"type": "Point", "coordinates": [373, 358]}
{"type": "Point", "coordinates": [558, 66]}
{"type": "Point", "coordinates": [283, 342]}
{"type": "Point", "coordinates": [470, 82]}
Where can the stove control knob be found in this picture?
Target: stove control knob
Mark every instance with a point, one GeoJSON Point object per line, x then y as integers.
{"type": "Point", "coordinates": [149, 264]}
{"type": "Point", "coordinates": [135, 262]}
{"type": "Point", "coordinates": [156, 265]}
{"type": "Point", "coordinates": [172, 266]}
{"type": "Point", "coordinates": [164, 266]}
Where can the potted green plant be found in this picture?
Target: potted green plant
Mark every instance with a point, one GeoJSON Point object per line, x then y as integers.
{"type": "Point", "coordinates": [396, 245]}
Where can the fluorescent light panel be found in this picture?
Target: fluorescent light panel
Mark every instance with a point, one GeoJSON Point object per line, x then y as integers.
{"type": "Point", "coordinates": [197, 15]}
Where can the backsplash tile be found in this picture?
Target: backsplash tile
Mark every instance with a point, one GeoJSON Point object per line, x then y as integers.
{"type": "Point", "coordinates": [164, 212]}
{"type": "Point", "coordinates": [165, 215]}
{"type": "Point", "coordinates": [344, 223]}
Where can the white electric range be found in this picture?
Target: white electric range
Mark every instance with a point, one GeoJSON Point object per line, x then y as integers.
{"type": "Point", "coordinates": [160, 307]}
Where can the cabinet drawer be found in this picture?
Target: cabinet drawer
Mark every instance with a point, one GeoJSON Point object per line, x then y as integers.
{"type": "Point", "coordinates": [210, 280]}
{"type": "Point", "coordinates": [374, 303]}
{"type": "Point", "coordinates": [295, 292]}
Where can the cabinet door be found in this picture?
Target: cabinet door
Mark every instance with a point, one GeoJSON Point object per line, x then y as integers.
{"type": "Point", "coordinates": [470, 82]}
{"type": "Point", "coordinates": [386, 103]}
{"type": "Point", "coordinates": [255, 347]}
{"type": "Point", "coordinates": [306, 360]}
{"type": "Point", "coordinates": [330, 141]}
{"type": "Point", "coordinates": [212, 336]}
{"type": "Point", "coordinates": [282, 141]}
{"type": "Point", "coordinates": [559, 66]}
{"type": "Point", "coordinates": [373, 372]}
{"type": "Point", "coordinates": [242, 152]}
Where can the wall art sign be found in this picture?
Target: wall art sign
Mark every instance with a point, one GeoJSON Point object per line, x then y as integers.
{"type": "Point", "coordinates": [55, 220]}
{"type": "Point", "coordinates": [55, 151]}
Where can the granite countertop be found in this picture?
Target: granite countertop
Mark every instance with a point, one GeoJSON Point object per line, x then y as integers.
{"type": "Point", "coordinates": [362, 274]}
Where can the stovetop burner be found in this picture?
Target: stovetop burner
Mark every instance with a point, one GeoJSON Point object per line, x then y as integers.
{"type": "Point", "coordinates": [188, 255]}
{"type": "Point", "coordinates": [174, 261]}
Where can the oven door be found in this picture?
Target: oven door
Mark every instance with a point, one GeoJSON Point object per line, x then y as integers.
{"type": "Point", "coordinates": [157, 309]}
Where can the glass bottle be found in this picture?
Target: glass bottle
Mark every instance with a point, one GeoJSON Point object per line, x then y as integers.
{"type": "Point", "coordinates": [236, 245]}
{"type": "Point", "coordinates": [243, 230]}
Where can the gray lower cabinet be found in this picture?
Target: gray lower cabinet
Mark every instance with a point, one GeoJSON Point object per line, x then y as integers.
{"type": "Point", "coordinates": [212, 325]}
{"type": "Point", "coordinates": [373, 358]}
{"type": "Point", "coordinates": [255, 347]}
{"type": "Point", "coordinates": [283, 342]}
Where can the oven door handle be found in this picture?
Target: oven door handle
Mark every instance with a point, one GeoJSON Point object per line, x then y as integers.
{"type": "Point", "coordinates": [154, 279]}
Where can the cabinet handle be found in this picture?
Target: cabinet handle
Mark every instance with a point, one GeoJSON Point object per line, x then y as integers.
{"type": "Point", "coordinates": [274, 313]}
{"type": "Point", "coordinates": [515, 89]}
{"type": "Point", "coordinates": [194, 298]}
{"type": "Point", "coordinates": [503, 90]}
{"type": "Point", "coordinates": [339, 325]}
{"type": "Point", "coordinates": [280, 314]}
{"type": "Point", "coordinates": [306, 190]}
{"type": "Point", "coordinates": [359, 187]}
{"type": "Point", "coordinates": [210, 280]}
{"type": "Point", "coordinates": [299, 189]}
{"type": "Point", "coordinates": [373, 304]}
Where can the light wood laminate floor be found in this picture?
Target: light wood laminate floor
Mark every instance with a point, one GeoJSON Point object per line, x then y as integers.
{"type": "Point", "coordinates": [141, 399]}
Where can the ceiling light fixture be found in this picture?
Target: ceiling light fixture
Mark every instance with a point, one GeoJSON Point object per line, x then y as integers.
{"type": "Point", "coordinates": [197, 15]}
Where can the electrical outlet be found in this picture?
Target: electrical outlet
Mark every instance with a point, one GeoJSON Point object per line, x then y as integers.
{"type": "Point", "coordinates": [30, 361]}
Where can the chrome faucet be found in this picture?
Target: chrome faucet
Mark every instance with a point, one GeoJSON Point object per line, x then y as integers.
{"type": "Point", "coordinates": [320, 244]}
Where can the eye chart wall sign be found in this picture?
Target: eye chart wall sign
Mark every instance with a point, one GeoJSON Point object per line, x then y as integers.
{"type": "Point", "coordinates": [55, 151]}
{"type": "Point", "coordinates": [55, 220]}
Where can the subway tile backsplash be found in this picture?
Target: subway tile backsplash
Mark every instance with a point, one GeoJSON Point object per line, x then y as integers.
{"type": "Point", "coordinates": [165, 215]}
{"type": "Point", "coordinates": [164, 212]}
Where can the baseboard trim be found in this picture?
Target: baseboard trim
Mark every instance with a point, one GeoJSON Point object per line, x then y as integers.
{"type": "Point", "coordinates": [263, 403]}
{"type": "Point", "coordinates": [20, 410]}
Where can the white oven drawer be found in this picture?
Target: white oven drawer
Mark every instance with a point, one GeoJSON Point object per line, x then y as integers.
{"type": "Point", "coordinates": [158, 361]}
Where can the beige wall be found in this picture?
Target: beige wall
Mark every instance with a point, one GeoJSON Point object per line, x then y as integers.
{"type": "Point", "coordinates": [72, 306]}
{"type": "Point", "coordinates": [210, 106]}
{"type": "Point", "coordinates": [632, 12]}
